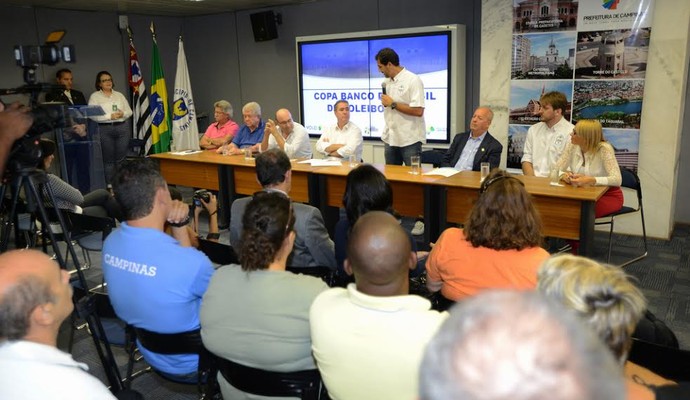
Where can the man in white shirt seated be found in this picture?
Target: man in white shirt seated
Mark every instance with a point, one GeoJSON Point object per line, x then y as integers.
{"type": "Point", "coordinates": [343, 139]}
{"type": "Point", "coordinates": [35, 298]}
{"type": "Point", "coordinates": [287, 135]}
{"type": "Point", "coordinates": [368, 339]}
{"type": "Point", "coordinates": [546, 139]}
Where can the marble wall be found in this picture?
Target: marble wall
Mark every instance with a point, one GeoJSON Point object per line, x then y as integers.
{"type": "Point", "coordinates": [662, 112]}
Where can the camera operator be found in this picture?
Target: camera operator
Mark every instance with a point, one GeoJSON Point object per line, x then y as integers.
{"type": "Point", "coordinates": [15, 121]}
{"type": "Point", "coordinates": [75, 136]}
{"type": "Point", "coordinates": [207, 200]}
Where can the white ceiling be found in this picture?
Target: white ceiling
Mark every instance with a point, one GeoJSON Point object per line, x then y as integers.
{"type": "Point", "coordinates": [173, 8]}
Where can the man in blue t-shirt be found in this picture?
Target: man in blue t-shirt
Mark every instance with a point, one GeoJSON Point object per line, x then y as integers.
{"type": "Point", "coordinates": [155, 280]}
{"type": "Point", "coordinates": [250, 134]}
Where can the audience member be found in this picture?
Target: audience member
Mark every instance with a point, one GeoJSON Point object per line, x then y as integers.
{"type": "Point", "coordinates": [75, 135]}
{"type": "Point", "coordinates": [313, 247]}
{"type": "Point", "coordinates": [155, 281]}
{"type": "Point", "coordinates": [590, 160]}
{"type": "Point", "coordinates": [287, 135]}
{"type": "Point", "coordinates": [610, 304]}
{"type": "Point", "coordinates": [498, 248]}
{"type": "Point", "coordinates": [546, 140]}
{"type": "Point", "coordinates": [250, 134]}
{"type": "Point", "coordinates": [15, 120]}
{"type": "Point", "coordinates": [344, 138]}
{"type": "Point", "coordinates": [368, 339]}
{"type": "Point", "coordinates": [113, 128]}
{"type": "Point", "coordinates": [471, 148]}
{"type": "Point", "coordinates": [520, 346]}
{"type": "Point", "coordinates": [403, 99]}
{"type": "Point", "coordinates": [366, 189]}
{"type": "Point", "coordinates": [35, 298]}
{"type": "Point", "coordinates": [99, 203]}
{"type": "Point", "coordinates": [221, 131]}
{"type": "Point", "coordinates": [257, 314]}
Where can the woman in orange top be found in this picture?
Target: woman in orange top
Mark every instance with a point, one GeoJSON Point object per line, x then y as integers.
{"type": "Point", "coordinates": [499, 247]}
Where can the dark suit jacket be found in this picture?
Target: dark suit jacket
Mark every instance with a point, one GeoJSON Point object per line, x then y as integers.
{"type": "Point", "coordinates": [313, 247]}
{"type": "Point", "coordinates": [489, 151]}
{"type": "Point", "coordinates": [78, 98]}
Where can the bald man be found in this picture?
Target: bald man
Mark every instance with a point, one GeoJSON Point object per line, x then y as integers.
{"type": "Point", "coordinates": [470, 149]}
{"type": "Point", "coordinates": [35, 297]}
{"type": "Point", "coordinates": [287, 135]}
{"type": "Point", "coordinates": [368, 339]}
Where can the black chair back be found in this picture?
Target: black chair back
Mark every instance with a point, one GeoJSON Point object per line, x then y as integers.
{"type": "Point", "coordinates": [324, 273]}
{"type": "Point", "coordinates": [630, 180]}
{"type": "Point", "coordinates": [670, 363]}
{"type": "Point", "coordinates": [218, 253]}
{"type": "Point", "coordinates": [305, 384]}
{"type": "Point", "coordinates": [82, 224]}
{"type": "Point", "coordinates": [434, 157]}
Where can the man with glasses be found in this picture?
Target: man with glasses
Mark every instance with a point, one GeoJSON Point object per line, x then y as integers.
{"type": "Point", "coordinates": [287, 135]}
{"type": "Point", "coordinates": [250, 134]}
{"type": "Point", "coordinates": [313, 247]}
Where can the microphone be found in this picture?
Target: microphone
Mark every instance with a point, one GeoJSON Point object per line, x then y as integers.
{"type": "Point", "coordinates": [383, 87]}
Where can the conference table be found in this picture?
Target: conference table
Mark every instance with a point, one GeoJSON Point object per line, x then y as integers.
{"type": "Point", "coordinates": [567, 212]}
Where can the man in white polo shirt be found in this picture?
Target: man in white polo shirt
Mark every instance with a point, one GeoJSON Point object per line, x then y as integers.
{"type": "Point", "coordinates": [546, 139]}
{"type": "Point", "coordinates": [403, 99]}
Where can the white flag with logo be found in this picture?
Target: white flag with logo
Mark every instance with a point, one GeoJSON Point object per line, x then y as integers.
{"type": "Point", "coordinates": [185, 132]}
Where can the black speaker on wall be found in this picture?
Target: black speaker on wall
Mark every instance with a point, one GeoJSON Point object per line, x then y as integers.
{"type": "Point", "coordinates": [264, 26]}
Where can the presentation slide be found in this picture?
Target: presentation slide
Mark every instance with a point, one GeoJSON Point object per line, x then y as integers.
{"type": "Point", "coordinates": [345, 69]}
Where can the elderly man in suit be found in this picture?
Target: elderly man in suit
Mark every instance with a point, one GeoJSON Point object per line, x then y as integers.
{"type": "Point", "coordinates": [471, 148]}
{"type": "Point", "coordinates": [313, 247]}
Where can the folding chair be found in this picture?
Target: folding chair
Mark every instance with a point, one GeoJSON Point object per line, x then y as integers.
{"type": "Point", "coordinates": [631, 182]}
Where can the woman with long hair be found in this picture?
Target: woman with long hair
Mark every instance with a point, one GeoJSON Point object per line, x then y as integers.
{"type": "Point", "coordinates": [366, 189]}
{"type": "Point", "coordinates": [590, 160]}
{"type": "Point", "coordinates": [257, 314]}
{"type": "Point", "coordinates": [499, 246]}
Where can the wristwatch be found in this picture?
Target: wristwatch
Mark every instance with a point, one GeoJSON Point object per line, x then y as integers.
{"type": "Point", "coordinates": [394, 105]}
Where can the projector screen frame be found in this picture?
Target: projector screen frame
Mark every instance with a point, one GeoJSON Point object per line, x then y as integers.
{"type": "Point", "coordinates": [455, 118]}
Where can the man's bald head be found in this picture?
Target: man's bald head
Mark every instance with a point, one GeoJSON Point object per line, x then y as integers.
{"type": "Point", "coordinates": [29, 279]}
{"type": "Point", "coordinates": [379, 255]}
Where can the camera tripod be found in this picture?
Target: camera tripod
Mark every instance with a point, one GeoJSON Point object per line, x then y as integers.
{"type": "Point", "coordinates": [33, 179]}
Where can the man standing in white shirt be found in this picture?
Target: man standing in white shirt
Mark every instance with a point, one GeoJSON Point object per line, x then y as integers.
{"type": "Point", "coordinates": [342, 139]}
{"type": "Point", "coordinates": [287, 135]}
{"type": "Point", "coordinates": [35, 298]}
{"type": "Point", "coordinates": [403, 99]}
{"type": "Point", "coordinates": [546, 139]}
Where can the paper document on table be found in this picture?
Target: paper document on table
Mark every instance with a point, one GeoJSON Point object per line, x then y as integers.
{"type": "Point", "coordinates": [445, 171]}
{"type": "Point", "coordinates": [185, 152]}
{"type": "Point", "coordinates": [316, 162]}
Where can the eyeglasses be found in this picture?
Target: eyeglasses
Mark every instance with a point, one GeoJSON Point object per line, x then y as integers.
{"type": "Point", "coordinates": [485, 185]}
{"type": "Point", "coordinates": [106, 80]}
{"type": "Point", "coordinates": [284, 122]}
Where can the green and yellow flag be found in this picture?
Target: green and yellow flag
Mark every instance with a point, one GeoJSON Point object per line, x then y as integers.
{"type": "Point", "coordinates": [160, 111]}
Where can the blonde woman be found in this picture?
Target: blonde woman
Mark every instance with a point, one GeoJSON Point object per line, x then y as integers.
{"type": "Point", "coordinates": [604, 297]}
{"type": "Point", "coordinates": [590, 160]}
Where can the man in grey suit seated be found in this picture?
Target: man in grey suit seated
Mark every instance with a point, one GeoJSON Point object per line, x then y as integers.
{"type": "Point", "coordinates": [470, 149]}
{"type": "Point", "coordinates": [313, 247]}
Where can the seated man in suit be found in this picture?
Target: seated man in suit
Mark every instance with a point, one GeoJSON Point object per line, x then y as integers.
{"type": "Point", "coordinates": [313, 247]}
{"type": "Point", "coordinates": [155, 281]}
{"type": "Point", "coordinates": [35, 298]}
{"type": "Point", "coordinates": [471, 148]}
{"type": "Point", "coordinates": [368, 339]}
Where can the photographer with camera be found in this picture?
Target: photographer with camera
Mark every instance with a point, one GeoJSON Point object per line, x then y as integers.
{"type": "Point", "coordinates": [207, 200]}
{"type": "Point", "coordinates": [75, 135]}
{"type": "Point", "coordinates": [15, 121]}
